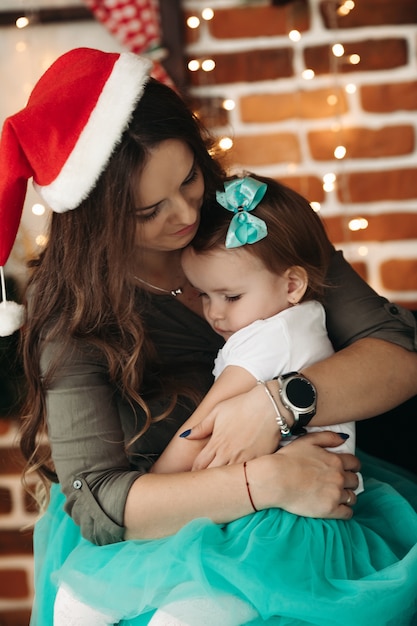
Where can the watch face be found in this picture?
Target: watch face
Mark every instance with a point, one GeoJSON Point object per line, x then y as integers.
{"type": "Point", "coordinates": [300, 393]}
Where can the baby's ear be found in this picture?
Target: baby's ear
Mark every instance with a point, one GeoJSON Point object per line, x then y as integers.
{"type": "Point", "coordinates": [297, 283]}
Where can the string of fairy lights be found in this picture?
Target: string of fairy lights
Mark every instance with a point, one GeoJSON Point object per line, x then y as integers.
{"type": "Point", "coordinates": [205, 65]}
{"type": "Point", "coordinates": [335, 178]}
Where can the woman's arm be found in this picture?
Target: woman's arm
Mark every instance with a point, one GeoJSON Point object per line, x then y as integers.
{"type": "Point", "coordinates": [356, 383]}
{"type": "Point", "coordinates": [377, 369]}
{"type": "Point", "coordinates": [87, 442]}
{"type": "Point", "coordinates": [110, 500]}
{"type": "Point", "coordinates": [355, 311]}
{"type": "Point", "coordinates": [180, 454]}
{"type": "Point", "coordinates": [367, 378]}
{"type": "Point", "coordinates": [302, 478]}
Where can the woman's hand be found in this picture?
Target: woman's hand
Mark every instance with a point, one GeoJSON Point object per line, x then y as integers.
{"type": "Point", "coordinates": [241, 428]}
{"type": "Point", "coordinates": [302, 478]}
{"type": "Point", "coordinates": [306, 479]}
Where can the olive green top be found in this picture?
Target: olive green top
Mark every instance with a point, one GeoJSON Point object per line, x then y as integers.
{"type": "Point", "coordinates": [89, 423]}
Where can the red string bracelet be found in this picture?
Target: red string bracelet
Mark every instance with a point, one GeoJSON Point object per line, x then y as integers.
{"type": "Point", "coordinates": [248, 488]}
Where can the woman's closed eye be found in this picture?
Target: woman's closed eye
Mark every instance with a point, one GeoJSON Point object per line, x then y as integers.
{"type": "Point", "coordinates": [192, 176]}
{"type": "Point", "coordinates": [145, 215]}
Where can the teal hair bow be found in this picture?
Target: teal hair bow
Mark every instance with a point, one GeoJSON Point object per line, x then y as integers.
{"type": "Point", "coordinates": [242, 195]}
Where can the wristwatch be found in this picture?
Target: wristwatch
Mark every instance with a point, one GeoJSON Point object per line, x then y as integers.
{"type": "Point", "coordinates": [299, 396]}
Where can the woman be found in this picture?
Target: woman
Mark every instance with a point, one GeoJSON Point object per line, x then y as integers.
{"type": "Point", "coordinates": [114, 330]}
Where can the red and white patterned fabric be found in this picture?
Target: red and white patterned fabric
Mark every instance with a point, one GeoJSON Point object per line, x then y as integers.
{"type": "Point", "coordinates": [136, 25]}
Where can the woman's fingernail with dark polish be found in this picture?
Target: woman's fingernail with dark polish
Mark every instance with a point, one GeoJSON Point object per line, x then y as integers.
{"type": "Point", "coordinates": [186, 433]}
{"type": "Point", "coordinates": [342, 435]}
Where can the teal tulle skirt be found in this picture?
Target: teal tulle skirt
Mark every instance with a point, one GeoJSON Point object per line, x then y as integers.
{"type": "Point", "coordinates": [291, 570]}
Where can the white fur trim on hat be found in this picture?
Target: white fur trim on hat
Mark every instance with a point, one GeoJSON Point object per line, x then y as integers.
{"type": "Point", "coordinates": [101, 134]}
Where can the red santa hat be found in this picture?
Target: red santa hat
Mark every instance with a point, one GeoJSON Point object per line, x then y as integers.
{"type": "Point", "coordinates": [63, 139]}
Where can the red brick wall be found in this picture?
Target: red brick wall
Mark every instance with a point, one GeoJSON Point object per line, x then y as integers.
{"type": "Point", "coordinates": [16, 520]}
{"type": "Point", "coordinates": [287, 127]}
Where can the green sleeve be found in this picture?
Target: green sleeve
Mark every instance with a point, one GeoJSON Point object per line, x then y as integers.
{"type": "Point", "coordinates": [354, 310]}
{"type": "Point", "coordinates": [87, 443]}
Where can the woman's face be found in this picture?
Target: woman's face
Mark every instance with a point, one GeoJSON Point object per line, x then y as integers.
{"type": "Point", "coordinates": [168, 196]}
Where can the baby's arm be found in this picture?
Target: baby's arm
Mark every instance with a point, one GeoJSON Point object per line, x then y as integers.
{"type": "Point", "coordinates": [180, 453]}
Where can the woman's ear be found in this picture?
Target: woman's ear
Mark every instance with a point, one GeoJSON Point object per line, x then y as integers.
{"type": "Point", "coordinates": [297, 278]}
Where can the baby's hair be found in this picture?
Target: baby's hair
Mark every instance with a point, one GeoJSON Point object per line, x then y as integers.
{"type": "Point", "coordinates": [296, 235]}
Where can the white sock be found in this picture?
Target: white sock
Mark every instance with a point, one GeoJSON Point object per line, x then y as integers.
{"type": "Point", "coordinates": [69, 611]}
{"type": "Point", "coordinates": [161, 618]}
{"type": "Point", "coordinates": [226, 610]}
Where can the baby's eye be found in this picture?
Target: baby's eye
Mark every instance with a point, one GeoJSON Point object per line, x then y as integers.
{"type": "Point", "coordinates": [233, 298]}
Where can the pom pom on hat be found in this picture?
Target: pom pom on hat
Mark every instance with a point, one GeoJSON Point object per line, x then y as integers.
{"type": "Point", "coordinates": [12, 317]}
{"type": "Point", "coordinates": [65, 136]}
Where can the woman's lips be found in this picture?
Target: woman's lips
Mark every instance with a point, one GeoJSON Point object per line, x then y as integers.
{"type": "Point", "coordinates": [186, 231]}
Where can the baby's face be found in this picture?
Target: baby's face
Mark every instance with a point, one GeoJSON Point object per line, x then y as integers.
{"type": "Point", "coordinates": [235, 286]}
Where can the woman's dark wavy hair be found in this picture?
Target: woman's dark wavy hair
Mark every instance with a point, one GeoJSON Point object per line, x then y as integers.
{"type": "Point", "coordinates": [296, 235]}
{"type": "Point", "coordinates": [80, 286]}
